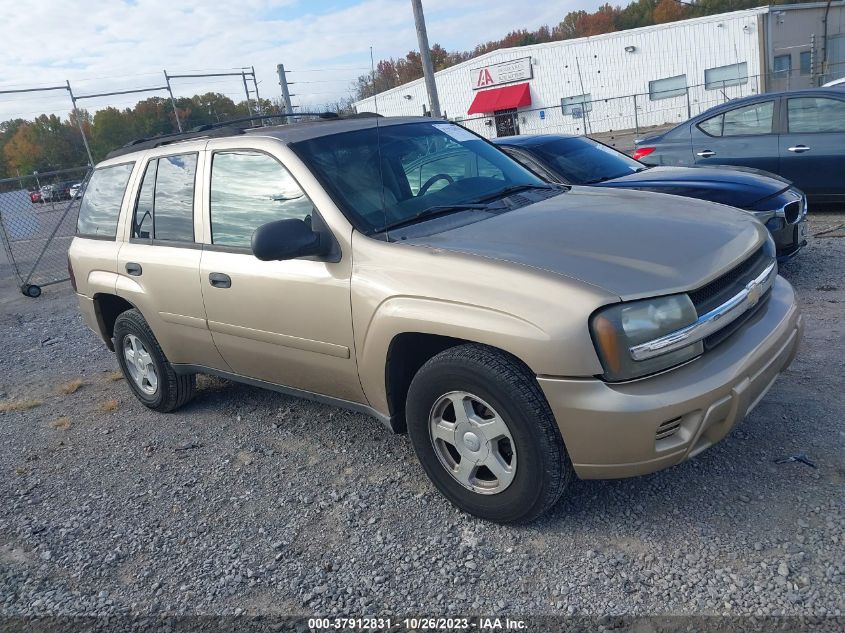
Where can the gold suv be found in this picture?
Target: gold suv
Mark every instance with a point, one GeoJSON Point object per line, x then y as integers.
{"type": "Point", "coordinates": [404, 267]}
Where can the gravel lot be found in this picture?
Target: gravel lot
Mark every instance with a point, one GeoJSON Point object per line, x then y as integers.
{"type": "Point", "coordinates": [251, 502]}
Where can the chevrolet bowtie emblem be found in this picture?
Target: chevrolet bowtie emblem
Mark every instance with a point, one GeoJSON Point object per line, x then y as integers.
{"type": "Point", "coordinates": [754, 293]}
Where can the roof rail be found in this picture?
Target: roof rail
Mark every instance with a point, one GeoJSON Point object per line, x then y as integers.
{"type": "Point", "coordinates": [224, 128]}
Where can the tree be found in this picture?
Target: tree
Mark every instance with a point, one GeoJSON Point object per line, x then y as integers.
{"type": "Point", "coordinates": [668, 11]}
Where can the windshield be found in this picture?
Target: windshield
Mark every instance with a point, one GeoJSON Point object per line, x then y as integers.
{"type": "Point", "coordinates": [422, 166]}
{"type": "Point", "coordinates": [582, 161]}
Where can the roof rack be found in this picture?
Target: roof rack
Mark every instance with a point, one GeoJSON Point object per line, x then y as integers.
{"type": "Point", "coordinates": [224, 128]}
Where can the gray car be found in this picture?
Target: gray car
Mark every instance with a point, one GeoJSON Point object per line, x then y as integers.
{"type": "Point", "coordinates": [799, 135]}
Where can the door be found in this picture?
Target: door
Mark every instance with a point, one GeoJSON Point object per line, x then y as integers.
{"type": "Point", "coordinates": [158, 266]}
{"type": "Point", "coordinates": [286, 322]}
{"type": "Point", "coordinates": [813, 144]}
{"type": "Point", "coordinates": [745, 136]}
{"type": "Point", "coordinates": [506, 124]}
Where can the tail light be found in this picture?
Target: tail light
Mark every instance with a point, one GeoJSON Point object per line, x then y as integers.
{"type": "Point", "coordinates": [70, 274]}
{"type": "Point", "coordinates": [643, 151]}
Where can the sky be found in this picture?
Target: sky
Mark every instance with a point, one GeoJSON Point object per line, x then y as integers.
{"type": "Point", "coordinates": [110, 45]}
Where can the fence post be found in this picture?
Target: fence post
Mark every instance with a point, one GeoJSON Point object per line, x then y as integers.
{"type": "Point", "coordinates": [689, 105]}
{"type": "Point", "coordinates": [172, 101]}
{"type": "Point", "coordinates": [79, 123]}
{"type": "Point", "coordinates": [636, 117]}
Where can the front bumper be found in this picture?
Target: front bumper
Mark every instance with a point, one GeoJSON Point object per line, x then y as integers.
{"type": "Point", "coordinates": [620, 430]}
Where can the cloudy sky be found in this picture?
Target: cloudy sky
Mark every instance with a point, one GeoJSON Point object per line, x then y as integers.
{"type": "Point", "coordinates": [109, 45]}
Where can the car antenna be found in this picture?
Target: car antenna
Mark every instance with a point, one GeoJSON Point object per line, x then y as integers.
{"type": "Point", "coordinates": [378, 144]}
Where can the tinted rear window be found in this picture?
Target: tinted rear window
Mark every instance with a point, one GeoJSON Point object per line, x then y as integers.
{"type": "Point", "coordinates": [100, 208]}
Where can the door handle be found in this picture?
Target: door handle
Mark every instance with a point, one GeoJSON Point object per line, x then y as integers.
{"type": "Point", "coordinates": [220, 280]}
{"type": "Point", "coordinates": [799, 149]}
{"type": "Point", "coordinates": [706, 153]}
{"type": "Point", "coordinates": [134, 269]}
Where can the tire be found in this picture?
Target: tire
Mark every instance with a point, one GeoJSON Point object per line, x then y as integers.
{"type": "Point", "coordinates": [31, 290]}
{"type": "Point", "coordinates": [493, 383]}
{"type": "Point", "coordinates": [171, 390]}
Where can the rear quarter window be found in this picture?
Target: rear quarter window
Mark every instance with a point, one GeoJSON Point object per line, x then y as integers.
{"type": "Point", "coordinates": [100, 207]}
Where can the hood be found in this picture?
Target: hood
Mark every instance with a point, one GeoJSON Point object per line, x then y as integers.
{"type": "Point", "coordinates": [735, 187]}
{"type": "Point", "coordinates": [632, 244]}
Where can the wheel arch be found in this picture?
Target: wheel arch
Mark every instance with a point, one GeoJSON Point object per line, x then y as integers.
{"type": "Point", "coordinates": [107, 307]}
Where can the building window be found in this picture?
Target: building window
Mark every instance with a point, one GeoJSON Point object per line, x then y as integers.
{"type": "Point", "coordinates": [724, 76]}
{"type": "Point", "coordinates": [667, 88]}
{"type": "Point", "coordinates": [806, 61]}
{"type": "Point", "coordinates": [576, 106]}
{"type": "Point", "coordinates": [783, 64]}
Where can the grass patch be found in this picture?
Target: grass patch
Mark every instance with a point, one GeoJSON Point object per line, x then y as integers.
{"type": "Point", "coordinates": [109, 405]}
{"type": "Point", "coordinates": [71, 386]}
{"type": "Point", "coordinates": [114, 376]}
{"type": "Point", "coordinates": [63, 424]}
{"type": "Point", "coordinates": [19, 405]}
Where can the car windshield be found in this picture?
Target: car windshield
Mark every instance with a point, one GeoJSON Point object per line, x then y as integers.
{"type": "Point", "coordinates": [401, 173]}
{"type": "Point", "coordinates": [582, 161]}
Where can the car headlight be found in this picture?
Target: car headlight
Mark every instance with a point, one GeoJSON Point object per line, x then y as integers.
{"type": "Point", "coordinates": [619, 327]}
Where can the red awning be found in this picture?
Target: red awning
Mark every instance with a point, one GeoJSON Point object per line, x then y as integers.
{"type": "Point", "coordinates": [501, 99]}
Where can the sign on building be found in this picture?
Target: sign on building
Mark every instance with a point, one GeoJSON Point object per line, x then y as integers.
{"type": "Point", "coordinates": [502, 73]}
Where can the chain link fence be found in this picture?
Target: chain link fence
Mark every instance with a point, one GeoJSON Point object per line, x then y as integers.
{"type": "Point", "coordinates": [38, 216]}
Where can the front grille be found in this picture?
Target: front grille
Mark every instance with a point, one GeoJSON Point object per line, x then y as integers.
{"type": "Point", "coordinates": [792, 212]}
{"type": "Point", "coordinates": [717, 337]}
{"type": "Point", "coordinates": [723, 288]}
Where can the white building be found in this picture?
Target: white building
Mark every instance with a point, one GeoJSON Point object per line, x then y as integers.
{"type": "Point", "coordinates": [634, 79]}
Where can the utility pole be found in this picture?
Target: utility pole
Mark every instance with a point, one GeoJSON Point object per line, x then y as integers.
{"type": "Point", "coordinates": [283, 82]}
{"type": "Point", "coordinates": [425, 56]}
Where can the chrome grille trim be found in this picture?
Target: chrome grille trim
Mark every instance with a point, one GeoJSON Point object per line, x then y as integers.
{"type": "Point", "coordinates": [712, 321]}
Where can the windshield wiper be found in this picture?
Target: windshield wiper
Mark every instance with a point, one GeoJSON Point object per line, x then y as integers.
{"type": "Point", "coordinates": [432, 212]}
{"type": "Point", "coordinates": [506, 191]}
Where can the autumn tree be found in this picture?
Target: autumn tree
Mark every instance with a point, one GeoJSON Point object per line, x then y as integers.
{"type": "Point", "coordinates": [668, 11]}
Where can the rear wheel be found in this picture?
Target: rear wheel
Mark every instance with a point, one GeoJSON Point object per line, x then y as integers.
{"type": "Point", "coordinates": [485, 435]}
{"type": "Point", "coordinates": [145, 367]}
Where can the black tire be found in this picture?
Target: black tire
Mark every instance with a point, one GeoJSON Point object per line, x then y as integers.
{"type": "Point", "coordinates": [174, 390]}
{"type": "Point", "coordinates": [31, 290]}
{"type": "Point", "coordinates": [543, 468]}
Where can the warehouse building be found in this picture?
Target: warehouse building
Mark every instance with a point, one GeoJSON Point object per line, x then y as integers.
{"type": "Point", "coordinates": [632, 80]}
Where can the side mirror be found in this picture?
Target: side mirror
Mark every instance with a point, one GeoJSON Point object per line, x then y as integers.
{"type": "Point", "coordinates": [287, 239]}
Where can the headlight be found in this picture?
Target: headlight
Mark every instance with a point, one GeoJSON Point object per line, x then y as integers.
{"type": "Point", "coordinates": [619, 327]}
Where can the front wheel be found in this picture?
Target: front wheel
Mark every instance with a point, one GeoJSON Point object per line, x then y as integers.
{"type": "Point", "coordinates": [485, 435]}
{"type": "Point", "coordinates": [145, 367]}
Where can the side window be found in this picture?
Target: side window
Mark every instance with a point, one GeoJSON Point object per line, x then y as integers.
{"type": "Point", "coordinates": [712, 126]}
{"type": "Point", "coordinates": [173, 211]}
{"type": "Point", "coordinates": [142, 226]}
{"type": "Point", "coordinates": [249, 189]}
{"type": "Point", "coordinates": [752, 119]}
{"type": "Point", "coordinates": [100, 207]}
{"type": "Point", "coordinates": [165, 206]}
{"type": "Point", "coordinates": [814, 114]}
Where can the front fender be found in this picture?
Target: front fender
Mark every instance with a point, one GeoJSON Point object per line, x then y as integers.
{"type": "Point", "coordinates": [541, 350]}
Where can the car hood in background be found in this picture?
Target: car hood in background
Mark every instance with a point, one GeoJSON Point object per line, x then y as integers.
{"type": "Point", "coordinates": [726, 185]}
{"type": "Point", "coordinates": [633, 244]}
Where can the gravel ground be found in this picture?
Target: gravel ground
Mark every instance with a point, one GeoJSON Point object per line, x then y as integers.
{"type": "Point", "coordinates": [251, 502]}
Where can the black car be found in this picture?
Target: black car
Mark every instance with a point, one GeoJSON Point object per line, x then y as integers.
{"type": "Point", "coordinates": [799, 135]}
{"type": "Point", "coordinates": [577, 160]}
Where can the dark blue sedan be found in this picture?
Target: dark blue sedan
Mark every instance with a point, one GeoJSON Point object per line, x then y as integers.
{"type": "Point", "coordinates": [577, 160]}
{"type": "Point", "coordinates": [799, 135]}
